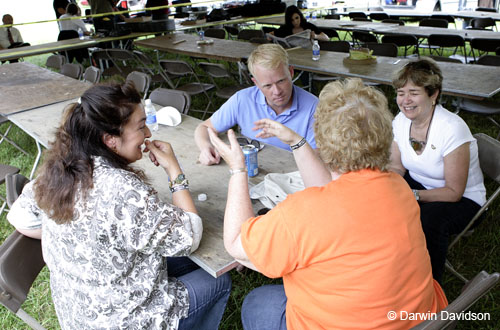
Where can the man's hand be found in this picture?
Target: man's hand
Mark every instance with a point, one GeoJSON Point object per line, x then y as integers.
{"type": "Point", "coordinates": [209, 156]}
{"type": "Point", "coordinates": [270, 128]}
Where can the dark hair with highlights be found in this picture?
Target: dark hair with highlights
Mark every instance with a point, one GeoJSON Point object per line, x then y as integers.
{"type": "Point", "coordinates": [68, 166]}
{"type": "Point", "coordinates": [290, 10]}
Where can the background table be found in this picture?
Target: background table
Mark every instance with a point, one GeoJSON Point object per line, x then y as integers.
{"type": "Point", "coordinates": [25, 86]}
{"type": "Point", "coordinates": [41, 123]}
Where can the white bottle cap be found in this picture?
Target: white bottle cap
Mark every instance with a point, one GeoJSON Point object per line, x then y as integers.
{"type": "Point", "coordinates": [202, 197]}
{"type": "Point", "coordinates": [148, 101]}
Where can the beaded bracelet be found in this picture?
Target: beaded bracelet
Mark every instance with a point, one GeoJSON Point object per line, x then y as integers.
{"type": "Point", "coordinates": [298, 145]}
{"type": "Point", "coordinates": [179, 187]}
{"type": "Point", "coordinates": [237, 170]}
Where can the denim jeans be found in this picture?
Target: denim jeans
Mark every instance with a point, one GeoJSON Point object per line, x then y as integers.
{"type": "Point", "coordinates": [207, 295]}
{"type": "Point", "coordinates": [265, 308]}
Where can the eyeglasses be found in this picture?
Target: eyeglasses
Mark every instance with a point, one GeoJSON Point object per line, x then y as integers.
{"type": "Point", "coordinates": [244, 141]}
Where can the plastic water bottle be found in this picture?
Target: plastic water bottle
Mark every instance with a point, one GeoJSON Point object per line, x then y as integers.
{"type": "Point", "coordinates": [315, 49]}
{"type": "Point", "coordinates": [314, 15]}
{"type": "Point", "coordinates": [151, 121]}
{"type": "Point", "coordinates": [80, 33]}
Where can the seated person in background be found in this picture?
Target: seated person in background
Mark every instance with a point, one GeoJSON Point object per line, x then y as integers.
{"type": "Point", "coordinates": [349, 249]}
{"type": "Point", "coordinates": [60, 7]}
{"type": "Point", "coordinates": [158, 14]}
{"type": "Point", "coordinates": [10, 37]}
{"type": "Point", "coordinates": [274, 96]}
{"type": "Point", "coordinates": [113, 247]}
{"type": "Point", "coordinates": [295, 22]}
{"type": "Point", "coordinates": [437, 155]}
{"type": "Point", "coordinates": [73, 24]}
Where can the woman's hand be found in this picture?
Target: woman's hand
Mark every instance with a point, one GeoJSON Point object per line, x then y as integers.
{"type": "Point", "coordinates": [231, 153]}
{"type": "Point", "coordinates": [162, 154]}
{"type": "Point", "coordinates": [270, 128]}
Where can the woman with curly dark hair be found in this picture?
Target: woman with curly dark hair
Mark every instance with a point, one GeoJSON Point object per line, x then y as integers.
{"type": "Point", "coordinates": [108, 239]}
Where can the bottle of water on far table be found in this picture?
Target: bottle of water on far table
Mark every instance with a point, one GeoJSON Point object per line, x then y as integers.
{"type": "Point", "coordinates": [150, 111]}
{"type": "Point", "coordinates": [315, 49]}
{"type": "Point", "coordinates": [80, 33]}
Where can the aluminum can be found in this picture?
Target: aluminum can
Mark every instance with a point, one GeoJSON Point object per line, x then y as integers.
{"type": "Point", "coordinates": [251, 162]}
{"type": "Point", "coordinates": [202, 35]}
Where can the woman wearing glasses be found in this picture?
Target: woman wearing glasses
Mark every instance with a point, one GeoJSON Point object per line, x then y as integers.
{"type": "Point", "coordinates": [435, 152]}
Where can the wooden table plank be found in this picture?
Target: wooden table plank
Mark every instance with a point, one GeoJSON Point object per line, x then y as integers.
{"type": "Point", "coordinates": [25, 86]}
{"type": "Point", "coordinates": [185, 44]}
{"type": "Point", "coordinates": [41, 123]}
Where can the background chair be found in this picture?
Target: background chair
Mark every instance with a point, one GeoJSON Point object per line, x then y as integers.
{"type": "Point", "coordinates": [493, 60]}
{"type": "Point", "coordinates": [183, 69]}
{"type": "Point", "coordinates": [357, 14]}
{"type": "Point", "coordinates": [171, 97]}
{"type": "Point", "coordinates": [393, 21]}
{"type": "Point", "coordinates": [379, 16]}
{"type": "Point", "coordinates": [260, 40]}
{"type": "Point", "coordinates": [141, 82]}
{"type": "Point", "coordinates": [215, 33]}
{"type": "Point", "coordinates": [5, 170]}
{"type": "Point", "coordinates": [72, 70]}
{"type": "Point", "coordinates": [386, 49]}
{"type": "Point", "coordinates": [480, 285]}
{"type": "Point", "coordinates": [14, 184]}
{"type": "Point", "coordinates": [331, 46]}
{"type": "Point", "coordinates": [232, 31]}
{"type": "Point", "coordinates": [3, 136]}
{"type": "Point", "coordinates": [483, 23]}
{"type": "Point", "coordinates": [360, 38]}
{"type": "Point", "coordinates": [92, 75]}
{"type": "Point", "coordinates": [55, 62]}
{"type": "Point", "coordinates": [489, 160]}
{"type": "Point", "coordinates": [80, 54]}
{"type": "Point", "coordinates": [486, 108]}
{"type": "Point", "coordinates": [361, 19]}
{"type": "Point", "coordinates": [434, 22]}
{"type": "Point", "coordinates": [219, 71]}
{"type": "Point", "coordinates": [331, 33]}
{"type": "Point", "coordinates": [481, 46]}
{"type": "Point", "coordinates": [439, 42]}
{"type": "Point", "coordinates": [449, 18]}
{"type": "Point", "coordinates": [20, 262]}
{"type": "Point", "coordinates": [248, 34]}
{"type": "Point", "coordinates": [402, 40]}
{"type": "Point", "coordinates": [332, 16]}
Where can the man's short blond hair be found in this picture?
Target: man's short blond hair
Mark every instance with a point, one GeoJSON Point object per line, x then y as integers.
{"type": "Point", "coordinates": [353, 127]}
{"type": "Point", "coordinates": [268, 56]}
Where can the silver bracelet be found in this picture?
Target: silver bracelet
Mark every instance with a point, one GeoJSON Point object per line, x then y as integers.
{"type": "Point", "coordinates": [237, 170]}
{"type": "Point", "coordinates": [299, 144]}
{"type": "Point", "coordinates": [178, 187]}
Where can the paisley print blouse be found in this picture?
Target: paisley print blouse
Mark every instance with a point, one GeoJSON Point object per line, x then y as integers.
{"type": "Point", "coordinates": [107, 267]}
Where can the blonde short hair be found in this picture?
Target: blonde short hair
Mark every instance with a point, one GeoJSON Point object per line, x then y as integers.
{"type": "Point", "coordinates": [423, 72]}
{"type": "Point", "coordinates": [353, 127]}
{"type": "Point", "coordinates": [268, 56]}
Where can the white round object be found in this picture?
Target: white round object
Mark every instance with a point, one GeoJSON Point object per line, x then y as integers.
{"type": "Point", "coordinates": [202, 197]}
{"type": "Point", "coordinates": [169, 116]}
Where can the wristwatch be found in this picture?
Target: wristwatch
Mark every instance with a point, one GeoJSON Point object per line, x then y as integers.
{"type": "Point", "coordinates": [416, 194]}
{"type": "Point", "coordinates": [180, 179]}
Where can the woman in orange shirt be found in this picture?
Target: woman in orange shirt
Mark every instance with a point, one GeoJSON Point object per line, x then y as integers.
{"type": "Point", "coordinates": [350, 247]}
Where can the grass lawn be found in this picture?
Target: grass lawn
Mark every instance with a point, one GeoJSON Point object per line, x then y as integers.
{"type": "Point", "coordinates": [477, 252]}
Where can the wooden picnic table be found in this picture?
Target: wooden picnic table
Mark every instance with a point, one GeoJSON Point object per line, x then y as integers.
{"type": "Point", "coordinates": [186, 44]}
{"type": "Point", "coordinates": [464, 80]}
{"type": "Point", "coordinates": [40, 123]}
{"type": "Point", "coordinates": [63, 45]}
{"type": "Point", "coordinates": [24, 86]}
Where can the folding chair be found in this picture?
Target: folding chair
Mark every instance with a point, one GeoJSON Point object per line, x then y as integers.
{"type": "Point", "coordinates": [232, 32]}
{"type": "Point", "coordinates": [183, 69]}
{"type": "Point", "coordinates": [72, 70]}
{"type": "Point", "coordinates": [92, 75]}
{"type": "Point", "coordinates": [493, 60]}
{"type": "Point", "coordinates": [248, 34]}
{"type": "Point", "coordinates": [215, 33]}
{"type": "Point", "coordinates": [360, 38]}
{"type": "Point", "coordinates": [361, 19]}
{"type": "Point", "coordinates": [402, 40]}
{"type": "Point", "coordinates": [489, 160]}
{"type": "Point", "coordinates": [332, 16]}
{"type": "Point", "coordinates": [171, 97]}
{"type": "Point", "coordinates": [357, 14]}
{"type": "Point", "coordinates": [20, 263]}
{"type": "Point", "coordinates": [331, 46]}
{"type": "Point", "coordinates": [483, 46]}
{"type": "Point", "coordinates": [5, 170]}
{"type": "Point", "coordinates": [219, 71]}
{"type": "Point", "coordinates": [449, 18]}
{"type": "Point", "coordinates": [379, 16]}
{"type": "Point", "coordinates": [150, 67]}
{"type": "Point", "coordinates": [55, 62]}
{"type": "Point", "coordinates": [472, 291]}
{"type": "Point", "coordinates": [483, 23]}
{"type": "Point", "coordinates": [260, 41]}
{"type": "Point", "coordinates": [3, 136]}
{"type": "Point", "coordinates": [434, 22]}
{"type": "Point", "coordinates": [331, 33]}
{"type": "Point", "coordinates": [393, 21]}
{"type": "Point", "coordinates": [390, 50]}
{"type": "Point", "coordinates": [439, 42]}
{"type": "Point", "coordinates": [123, 60]}
{"type": "Point", "coordinates": [141, 82]}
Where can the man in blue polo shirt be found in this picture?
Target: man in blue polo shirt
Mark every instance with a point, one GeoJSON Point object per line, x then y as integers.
{"type": "Point", "coordinates": [274, 96]}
